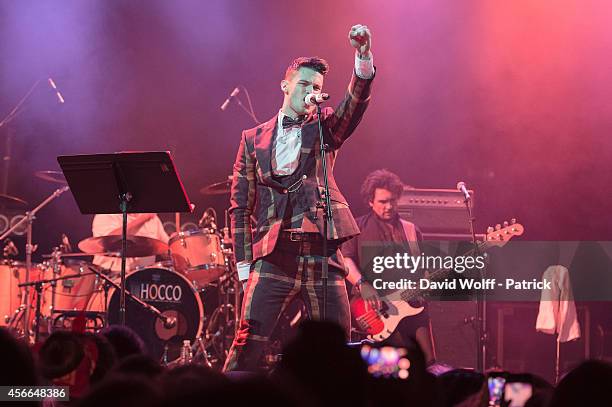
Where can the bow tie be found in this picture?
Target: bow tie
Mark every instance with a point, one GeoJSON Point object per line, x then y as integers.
{"type": "Point", "coordinates": [288, 122]}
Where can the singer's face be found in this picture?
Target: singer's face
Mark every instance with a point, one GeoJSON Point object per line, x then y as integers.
{"type": "Point", "coordinates": [295, 89]}
{"type": "Point", "coordinates": [384, 204]}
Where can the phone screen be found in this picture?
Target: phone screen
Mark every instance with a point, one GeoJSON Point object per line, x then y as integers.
{"type": "Point", "coordinates": [516, 394]}
{"type": "Point", "coordinates": [496, 389]}
{"type": "Point", "coordinates": [386, 361]}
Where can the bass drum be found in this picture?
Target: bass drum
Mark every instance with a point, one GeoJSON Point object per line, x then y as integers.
{"type": "Point", "coordinates": [167, 291]}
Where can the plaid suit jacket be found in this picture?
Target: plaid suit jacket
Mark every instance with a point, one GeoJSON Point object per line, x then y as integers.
{"type": "Point", "coordinates": [258, 201]}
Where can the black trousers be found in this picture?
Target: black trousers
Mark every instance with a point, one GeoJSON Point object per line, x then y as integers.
{"type": "Point", "coordinates": [293, 268]}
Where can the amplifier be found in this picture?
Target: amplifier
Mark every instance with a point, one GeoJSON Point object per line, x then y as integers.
{"type": "Point", "coordinates": [436, 211]}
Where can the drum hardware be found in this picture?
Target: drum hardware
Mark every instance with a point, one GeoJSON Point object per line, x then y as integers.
{"type": "Point", "coordinates": [224, 320]}
{"type": "Point", "coordinates": [94, 321]}
{"type": "Point", "coordinates": [12, 304]}
{"type": "Point", "coordinates": [13, 320]}
{"type": "Point", "coordinates": [164, 359]}
{"type": "Point", "coordinates": [201, 355]}
{"type": "Point", "coordinates": [38, 286]}
{"type": "Point", "coordinates": [232, 286]}
{"type": "Point", "coordinates": [220, 330]}
{"type": "Point", "coordinates": [137, 246]}
{"type": "Point", "coordinates": [28, 220]}
{"type": "Point", "coordinates": [82, 254]}
{"type": "Point", "coordinates": [164, 264]}
{"type": "Point", "coordinates": [55, 263]}
{"type": "Point", "coordinates": [69, 294]}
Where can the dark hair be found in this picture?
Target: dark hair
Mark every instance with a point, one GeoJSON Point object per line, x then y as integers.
{"type": "Point", "coordinates": [121, 391]}
{"type": "Point", "coordinates": [106, 356]}
{"type": "Point", "coordinates": [383, 179]}
{"type": "Point", "coordinates": [586, 385]}
{"type": "Point", "coordinates": [18, 366]}
{"type": "Point", "coordinates": [60, 354]}
{"type": "Point", "coordinates": [124, 341]}
{"type": "Point", "coordinates": [315, 63]}
{"type": "Point", "coordinates": [138, 365]}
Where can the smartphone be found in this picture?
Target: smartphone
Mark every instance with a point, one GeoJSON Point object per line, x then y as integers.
{"type": "Point", "coordinates": [386, 361]}
{"type": "Point", "coordinates": [496, 385]}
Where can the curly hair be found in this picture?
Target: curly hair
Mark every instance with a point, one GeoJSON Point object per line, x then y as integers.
{"type": "Point", "coordinates": [315, 63]}
{"type": "Point", "coordinates": [383, 179]}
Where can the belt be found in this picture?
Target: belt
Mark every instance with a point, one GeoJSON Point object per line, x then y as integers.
{"type": "Point", "coordinates": [311, 237]}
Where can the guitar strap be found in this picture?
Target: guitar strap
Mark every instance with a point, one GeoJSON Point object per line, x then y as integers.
{"type": "Point", "coordinates": [411, 236]}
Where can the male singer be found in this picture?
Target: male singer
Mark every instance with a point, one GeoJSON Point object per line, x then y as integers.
{"type": "Point", "coordinates": [278, 179]}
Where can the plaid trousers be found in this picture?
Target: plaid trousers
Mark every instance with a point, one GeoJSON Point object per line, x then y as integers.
{"type": "Point", "coordinates": [293, 268]}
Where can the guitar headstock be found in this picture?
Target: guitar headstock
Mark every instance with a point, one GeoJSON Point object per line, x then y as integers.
{"type": "Point", "coordinates": [500, 235]}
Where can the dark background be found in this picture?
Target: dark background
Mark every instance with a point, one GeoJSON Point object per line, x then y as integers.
{"type": "Point", "coordinates": [514, 98]}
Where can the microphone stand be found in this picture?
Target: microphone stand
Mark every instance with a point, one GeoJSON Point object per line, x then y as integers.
{"type": "Point", "coordinates": [324, 203]}
{"type": "Point", "coordinates": [125, 197]}
{"type": "Point", "coordinates": [9, 137]}
{"type": "Point", "coordinates": [481, 300]}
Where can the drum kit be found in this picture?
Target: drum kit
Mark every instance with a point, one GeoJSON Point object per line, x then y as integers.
{"type": "Point", "coordinates": [166, 300]}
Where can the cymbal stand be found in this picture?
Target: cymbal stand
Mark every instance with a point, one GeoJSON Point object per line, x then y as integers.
{"type": "Point", "coordinates": [55, 265]}
{"type": "Point", "coordinates": [227, 289]}
{"type": "Point", "coordinates": [29, 220]}
{"type": "Point", "coordinates": [230, 263]}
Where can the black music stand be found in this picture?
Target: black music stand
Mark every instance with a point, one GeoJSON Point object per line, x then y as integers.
{"type": "Point", "coordinates": [127, 182]}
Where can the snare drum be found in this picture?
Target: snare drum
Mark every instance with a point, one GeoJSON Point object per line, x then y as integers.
{"type": "Point", "coordinates": [198, 255]}
{"type": "Point", "coordinates": [169, 292]}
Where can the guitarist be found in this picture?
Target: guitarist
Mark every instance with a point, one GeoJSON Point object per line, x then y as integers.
{"type": "Point", "coordinates": [383, 227]}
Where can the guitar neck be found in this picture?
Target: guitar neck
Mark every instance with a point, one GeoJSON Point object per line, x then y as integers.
{"type": "Point", "coordinates": [436, 275]}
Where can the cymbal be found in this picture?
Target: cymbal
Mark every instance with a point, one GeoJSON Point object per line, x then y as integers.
{"type": "Point", "coordinates": [12, 201]}
{"type": "Point", "coordinates": [51, 176]}
{"type": "Point", "coordinates": [218, 188]}
{"type": "Point", "coordinates": [137, 246]}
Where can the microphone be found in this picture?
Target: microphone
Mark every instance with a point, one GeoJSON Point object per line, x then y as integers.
{"type": "Point", "coordinates": [57, 92]}
{"type": "Point", "coordinates": [10, 249]}
{"type": "Point", "coordinates": [209, 219]}
{"type": "Point", "coordinates": [169, 322]}
{"type": "Point", "coordinates": [313, 99]}
{"type": "Point", "coordinates": [461, 187]}
{"type": "Point", "coordinates": [66, 246]}
{"type": "Point", "coordinates": [229, 99]}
